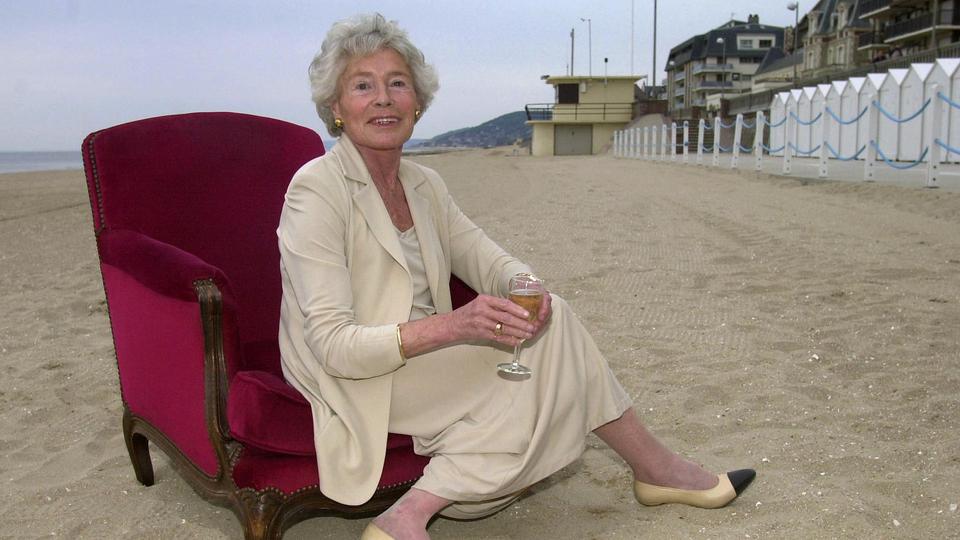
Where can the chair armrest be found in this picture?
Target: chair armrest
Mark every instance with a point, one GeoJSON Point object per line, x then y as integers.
{"type": "Point", "coordinates": [157, 296]}
{"type": "Point", "coordinates": [163, 268]}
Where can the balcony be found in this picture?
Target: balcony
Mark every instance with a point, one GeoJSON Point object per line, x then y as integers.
{"type": "Point", "coordinates": [874, 7]}
{"type": "Point", "coordinates": [680, 75]}
{"type": "Point", "coordinates": [922, 23]}
{"type": "Point", "coordinates": [711, 68]}
{"type": "Point", "coordinates": [579, 112]}
{"type": "Point", "coordinates": [714, 84]}
{"type": "Point", "coordinates": [871, 40]}
{"type": "Point", "coordinates": [679, 91]}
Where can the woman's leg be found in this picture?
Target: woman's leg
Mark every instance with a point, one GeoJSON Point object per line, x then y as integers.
{"type": "Point", "coordinates": [408, 517]}
{"type": "Point", "coordinates": [651, 461]}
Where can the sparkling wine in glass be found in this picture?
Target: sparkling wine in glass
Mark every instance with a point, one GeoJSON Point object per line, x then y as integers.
{"type": "Point", "coordinates": [526, 290]}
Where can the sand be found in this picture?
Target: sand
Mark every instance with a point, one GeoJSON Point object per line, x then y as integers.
{"type": "Point", "coordinates": [808, 329]}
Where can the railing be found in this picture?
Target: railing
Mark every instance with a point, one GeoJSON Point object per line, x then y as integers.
{"type": "Point", "coordinates": [579, 112]}
{"type": "Point", "coordinates": [868, 7]}
{"type": "Point", "coordinates": [916, 24]}
{"type": "Point", "coordinates": [715, 84]}
{"type": "Point", "coordinates": [707, 68]}
{"type": "Point", "coordinates": [680, 75]}
{"type": "Point", "coordinates": [679, 91]}
{"type": "Point", "coordinates": [872, 38]}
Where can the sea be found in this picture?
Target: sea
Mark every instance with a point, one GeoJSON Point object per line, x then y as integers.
{"type": "Point", "coordinates": [67, 160]}
{"type": "Point", "coordinates": [40, 161]}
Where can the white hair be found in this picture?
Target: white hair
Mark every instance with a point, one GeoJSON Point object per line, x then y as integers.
{"type": "Point", "coordinates": [359, 36]}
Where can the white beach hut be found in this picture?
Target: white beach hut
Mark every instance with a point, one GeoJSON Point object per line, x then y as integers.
{"type": "Point", "coordinates": [913, 96]}
{"type": "Point", "coordinates": [869, 92]}
{"type": "Point", "coordinates": [835, 104]}
{"type": "Point", "coordinates": [889, 131]}
{"type": "Point", "coordinates": [793, 99]}
{"type": "Point", "coordinates": [849, 135]}
{"type": "Point", "coordinates": [806, 114]}
{"type": "Point", "coordinates": [946, 73]}
{"type": "Point", "coordinates": [818, 102]}
{"type": "Point", "coordinates": [778, 112]}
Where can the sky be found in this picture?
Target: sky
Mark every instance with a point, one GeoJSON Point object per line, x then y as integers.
{"type": "Point", "coordinates": [70, 67]}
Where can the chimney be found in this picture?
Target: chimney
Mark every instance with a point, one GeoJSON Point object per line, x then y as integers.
{"type": "Point", "coordinates": [754, 19]}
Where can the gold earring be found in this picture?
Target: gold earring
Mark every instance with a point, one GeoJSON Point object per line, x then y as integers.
{"type": "Point", "coordinates": [417, 113]}
{"type": "Point", "coordinates": [338, 123]}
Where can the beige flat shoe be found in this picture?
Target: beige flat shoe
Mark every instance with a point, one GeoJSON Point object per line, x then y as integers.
{"type": "Point", "coordinates": [729, 486]}
{"type": "Point", "coordinates": [372, 532]}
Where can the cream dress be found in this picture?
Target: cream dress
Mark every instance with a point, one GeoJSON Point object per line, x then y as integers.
{"type": "Point", "coordinates": [489, 435]}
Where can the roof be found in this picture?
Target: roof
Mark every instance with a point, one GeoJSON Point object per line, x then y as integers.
{"type": "Point", "coordinates": [777, 59]}
{"type": "Point", "coordinates": [704, 45]}
{"type": "Point", "coordinates": [825, 24]}
{"type": "Point", "coordinates": [570, 79]}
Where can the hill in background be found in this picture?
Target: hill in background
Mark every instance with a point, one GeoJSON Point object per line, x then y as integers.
{"type": "Point", "coordinates": [501, 131]}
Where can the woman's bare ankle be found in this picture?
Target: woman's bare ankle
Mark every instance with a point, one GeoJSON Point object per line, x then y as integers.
{"type": "Point", "coordinates": [680, 473]}
{"type": "Point", "coordinates": [407, 519]}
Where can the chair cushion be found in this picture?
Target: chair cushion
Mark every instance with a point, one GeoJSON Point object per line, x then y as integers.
{"type": "Point", "coordinates": [294, 474]}
{"type": "Point", "coordinates": [258, 399]}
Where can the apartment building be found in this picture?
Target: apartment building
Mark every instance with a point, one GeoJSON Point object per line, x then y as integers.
{"type": "Point", "coordinates": [717, 64]}
{"type": "Point", "coordinates": [905, 27]}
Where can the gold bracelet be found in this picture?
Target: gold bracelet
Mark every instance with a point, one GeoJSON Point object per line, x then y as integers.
{"type": "Point", "coordinates": [400, 344]}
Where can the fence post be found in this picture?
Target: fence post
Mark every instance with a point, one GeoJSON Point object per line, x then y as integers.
{"type": "Point", "coordinates": [700, 142]}
{"type": "Point", "coordinates": [663, 142]}
{"type": "Point", "coordinates": [716, 140]}
{"type": "Point", "coordinates": [641, 139]}
{"type": "Point", "coordinates": [824, 135]}
{"type": "Point", "coordinates": [873, 131]}
{"type": "Point", "coordinates": [673, 141]}
{"type": "Point", "coordinates": [737, 134]}
{"type": "Point", "coordinates": [932, 136]}
{"type": "Point", "coordinates": [686, 142]}
{"type": "Point", "coordinates": [651, 141]}
{"type": "Point", "coordinates": [787, 143]}
{"type": "Point", "coordinates": [758, 142]}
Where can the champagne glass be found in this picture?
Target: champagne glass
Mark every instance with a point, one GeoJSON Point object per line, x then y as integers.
{"type": "Point", "coordinates": [526, 290]}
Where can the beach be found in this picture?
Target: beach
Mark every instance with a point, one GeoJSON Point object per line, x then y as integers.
{"type": "Point", "coordinates": [808, 329]}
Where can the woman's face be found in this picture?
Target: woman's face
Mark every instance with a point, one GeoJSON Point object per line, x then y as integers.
{"type": "Point", "coordinates": [377, 101]}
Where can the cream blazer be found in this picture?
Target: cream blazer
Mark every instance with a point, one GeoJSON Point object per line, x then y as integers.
{"type": "Point", "coordinates": [346, 286]}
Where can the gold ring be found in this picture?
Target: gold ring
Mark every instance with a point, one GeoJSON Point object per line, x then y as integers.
{"type": "Point", "coordinates": [498, 329]}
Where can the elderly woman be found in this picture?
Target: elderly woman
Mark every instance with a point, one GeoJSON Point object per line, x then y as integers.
{"type": "Point", "coordinates": [368, 242]}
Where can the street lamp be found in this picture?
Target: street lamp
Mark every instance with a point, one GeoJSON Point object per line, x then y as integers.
{"type": "Point", "coordinates": [795, 8]}
{"type": "Point", "coordinates": [589, 45]}
{"type": "Point", "coordinates": [723, 68]}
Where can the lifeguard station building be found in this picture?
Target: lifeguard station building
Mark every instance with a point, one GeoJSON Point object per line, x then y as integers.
{"type": "Point", "coordinates": [584, 115]}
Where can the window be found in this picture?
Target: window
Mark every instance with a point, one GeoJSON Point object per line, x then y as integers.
{"type": "Point", "coordinates": [766, 43]}
{"type": "Point", "coordinates": [746, 43]}
{"type": "Point", "coordinates": [568, 93]}
{"type": "Point", "coordinates": [746, 77]}
{"type": "Point", "coordinates": [735, 76]}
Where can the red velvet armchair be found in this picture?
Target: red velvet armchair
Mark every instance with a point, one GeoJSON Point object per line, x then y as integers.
{"type": "Point", "coordinates": [185, 210]}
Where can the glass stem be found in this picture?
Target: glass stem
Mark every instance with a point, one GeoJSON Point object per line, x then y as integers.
{"type": "Point", "coordinates": [516, 353]}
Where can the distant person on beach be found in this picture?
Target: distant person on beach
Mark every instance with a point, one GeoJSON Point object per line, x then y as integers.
{"type": "Point", "coordinates": [368, 243]}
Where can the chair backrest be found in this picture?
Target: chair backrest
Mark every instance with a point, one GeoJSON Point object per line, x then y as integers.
{"type": "Point", "coordinates": [211, 184]}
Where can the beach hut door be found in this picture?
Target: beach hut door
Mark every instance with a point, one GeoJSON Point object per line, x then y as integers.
{"type": "Point", "coordinates": [573, 140]}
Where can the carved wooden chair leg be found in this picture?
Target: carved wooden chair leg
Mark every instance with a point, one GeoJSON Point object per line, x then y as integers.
{"type": "Point", "coordinates": [259, 514]}
{"type": "Point", "coordinates": [139, 450]}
